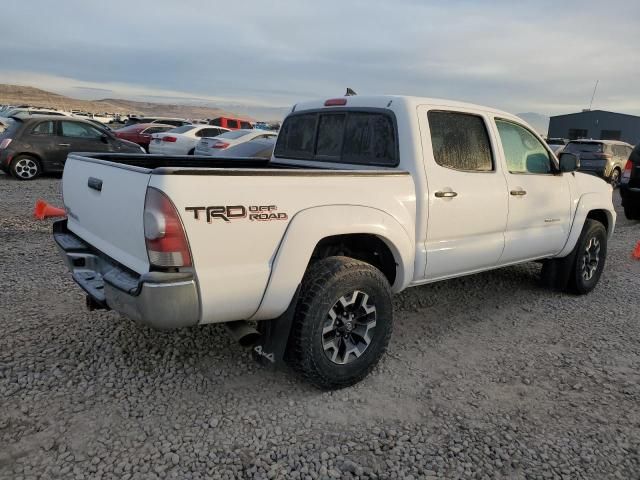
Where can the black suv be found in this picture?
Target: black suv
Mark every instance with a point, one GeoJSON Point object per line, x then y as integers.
{"type": "Point", "coordinates": [31, 145]}
{"type": "Point", "coordinates": [630, 186]}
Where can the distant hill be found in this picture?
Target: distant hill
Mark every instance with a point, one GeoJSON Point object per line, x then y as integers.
{"type": "Point", "coordinates": [539, 122]}
{"type": "Point", "coordinates": [18, 95]}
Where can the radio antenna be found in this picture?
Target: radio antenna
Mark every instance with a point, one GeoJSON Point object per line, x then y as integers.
{"type": "Point", "coordinates": [594, 94]}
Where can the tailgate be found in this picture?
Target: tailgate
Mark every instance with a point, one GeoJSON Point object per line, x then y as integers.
{"type": "Point", "coordinates": [105, 206]}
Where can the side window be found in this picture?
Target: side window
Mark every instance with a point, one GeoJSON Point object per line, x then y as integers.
{"type": "Point", "coordinates": [245, 125]}
{"type": "Point", "coordinates": [79, 130]}
{"type": "Point", "coordinates": [523, 152]}
{"type": "Point", "coordinates": [216, 122]}
{"type": "Point", "coordinates": [460, 141]}
{"type": "Point", "coordinates": [232, 123]}
{"type": "Point", "coordinates": [43, 128]}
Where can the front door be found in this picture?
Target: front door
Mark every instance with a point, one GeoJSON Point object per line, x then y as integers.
{"type": "Point", "coordinates": [467, 204]}
{"type": "Point", "coordinates": [539, 196]}
{"type": "Point", "coordinates": [82, 137]}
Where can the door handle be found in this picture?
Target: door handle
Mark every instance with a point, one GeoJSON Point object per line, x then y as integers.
{"type": "Point", "coordinates": [64, 144]}
{"type": "Point", "coordinates": [446, 194]}
{"type": "Point", "coordinates": [518, 193]}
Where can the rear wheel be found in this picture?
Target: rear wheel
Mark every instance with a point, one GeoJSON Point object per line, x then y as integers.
{"type": "Point", "coordinates": [342, 324]}
{"type": "Point", "coordinates": [24, 167]}
{"type": "Point", "coordinates": [614, 178]}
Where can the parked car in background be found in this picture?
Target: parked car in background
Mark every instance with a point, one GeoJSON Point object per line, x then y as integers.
{"type": "Point", "coordinates": [230, 123]}
{"type": "Point", "coordinates": [92, 116]}
{"type": "Point", "coordinates": [209, 146]}
{"type": "Point", "coordinates": [630, 185]}
{"type": "Point", "coordinates": [604, 158]}
{"type": "Point", "coordinates": [176, 122]}
{"type": "Point", "coordinates": [557, 144]}
{"type": "Point", "coordinates": [182, 140]}
{"type": "Point", "coordinates": [256, 148]}
{"type": "Point", "coordinates": [141, 133]}
{"type": "Point", "coordinates": [34, 111]}
{"type": "Point", "coordinates": [35, 144]}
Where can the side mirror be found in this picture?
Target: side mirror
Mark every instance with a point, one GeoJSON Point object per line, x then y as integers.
{"type": "Point", "coordinates": [105, 138]}
{"type": "Point", "coordinates": [569, 162]}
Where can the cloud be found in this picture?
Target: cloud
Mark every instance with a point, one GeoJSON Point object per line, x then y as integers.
{"type": "Point", "coordinates": [526, 56]}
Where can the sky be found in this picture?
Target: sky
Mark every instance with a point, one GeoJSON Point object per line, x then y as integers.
{"type": "Point", "coordinates": [520, 56]}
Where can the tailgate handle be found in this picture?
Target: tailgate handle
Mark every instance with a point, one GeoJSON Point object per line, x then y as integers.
{"type": "Point", "coordinates": [95, 183]}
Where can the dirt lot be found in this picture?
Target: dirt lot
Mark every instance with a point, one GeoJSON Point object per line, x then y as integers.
{"type": "Point", "coordinates": [489, 376]}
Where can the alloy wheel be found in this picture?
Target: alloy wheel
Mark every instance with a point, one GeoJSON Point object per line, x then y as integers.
{"type": "Point", "coordinates": [349, 328]}
{"type": "Point", "coordinates": [590, 258]}
{"type": "Point", "coordinates": [26, 168]}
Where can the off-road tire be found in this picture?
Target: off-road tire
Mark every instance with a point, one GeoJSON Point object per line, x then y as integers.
{"type": "Point", "coordinates": [577, 283]}
{"type": "Point", "coordinates": [565, 274]}
{"type": "Point", "coordinates": [25, 167]}
{"type": "Point", "coordinates": [324, 284]}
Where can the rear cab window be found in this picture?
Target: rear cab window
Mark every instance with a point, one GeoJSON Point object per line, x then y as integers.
{"type": "Point", "coordinates": [355, 136]}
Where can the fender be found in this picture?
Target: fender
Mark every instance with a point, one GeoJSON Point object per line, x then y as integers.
{"type": "Point", "coordinates": [588, 202]}
{"type": "Point", "coordinates": [310, 226]}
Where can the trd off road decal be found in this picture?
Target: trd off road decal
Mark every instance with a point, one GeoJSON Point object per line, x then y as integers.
{"type": "Point", "coordinates": [227, 213]}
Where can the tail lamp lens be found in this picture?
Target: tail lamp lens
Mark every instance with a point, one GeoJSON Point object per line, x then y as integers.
{"type": "Point", "coordinates": [626, 175]}
{"type": "Point", "coordinates": [166, 241]}
{"type": "Point", "coordinates": [220, 145]}
{"type": "Point", "coordinates": [169, 139]}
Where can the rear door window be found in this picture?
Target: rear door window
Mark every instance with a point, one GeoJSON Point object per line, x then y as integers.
{"type": "Point", "coordinates": [358, 137]}
{"type": "Point", "coordinates": [460, 141]}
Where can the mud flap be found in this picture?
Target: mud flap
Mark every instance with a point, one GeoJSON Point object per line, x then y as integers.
{"type": "Point", "coordinates": [270, 348]}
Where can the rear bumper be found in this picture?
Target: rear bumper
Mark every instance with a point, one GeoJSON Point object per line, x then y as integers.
{"type": "Point", "coordinates": [156, 299]}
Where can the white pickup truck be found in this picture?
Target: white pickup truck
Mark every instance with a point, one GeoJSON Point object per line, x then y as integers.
{"type": "Point", "coordinates": [363, 197]}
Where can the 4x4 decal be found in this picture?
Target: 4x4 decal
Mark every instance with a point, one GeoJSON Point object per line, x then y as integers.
{"type": "Point", "coordinates": [227, 213]}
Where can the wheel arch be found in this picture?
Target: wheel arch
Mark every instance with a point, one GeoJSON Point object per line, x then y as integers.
{"type": "Point", "coordinates": [590, 206]}
{"type": "Point", "coordinates": [316, 232]}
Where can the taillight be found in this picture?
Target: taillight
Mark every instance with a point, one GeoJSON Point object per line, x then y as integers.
{"type": "Point", "coordinates": [5, 143]}
{"type": "Point", "coordinates": [167, 244]}
{"type": "Point", "coordinates": [220, 145]}
{"type": "Point", "coordinates": [169, 139]}
{"type": "Point", "coordinates": [626, 175]}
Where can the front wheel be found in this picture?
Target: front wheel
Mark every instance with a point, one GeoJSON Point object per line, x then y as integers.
{"type": "Point", "coordinates": [590, 256]}
{"type": "Point", "coordinates": [343, 322]}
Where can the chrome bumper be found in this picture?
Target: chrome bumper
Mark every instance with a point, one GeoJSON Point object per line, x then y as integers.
{"type": "Point", "coordinates": [158, 299]}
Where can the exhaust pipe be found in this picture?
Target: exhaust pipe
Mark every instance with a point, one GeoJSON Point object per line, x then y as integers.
{"type": "Point", "coordinates": [242, 332]}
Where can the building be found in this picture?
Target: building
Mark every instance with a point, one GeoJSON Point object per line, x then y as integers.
{"type": "Point", "coordinates": [597, 124]}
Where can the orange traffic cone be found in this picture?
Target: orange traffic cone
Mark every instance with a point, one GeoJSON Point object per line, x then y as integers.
{"type": "Point", "coordinates": [636, 252]}
{"type": "Point", "coordinates": [43, 210]}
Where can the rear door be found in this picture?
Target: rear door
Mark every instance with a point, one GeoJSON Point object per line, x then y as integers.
{"type": "Point", "coordinates": [539, 197]}
{"type": "Point", "coordinates": [467, 193]}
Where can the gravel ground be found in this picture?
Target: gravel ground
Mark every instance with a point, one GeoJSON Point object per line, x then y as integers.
{"type": "Point", "coordinates": [489, 376]}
